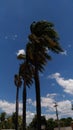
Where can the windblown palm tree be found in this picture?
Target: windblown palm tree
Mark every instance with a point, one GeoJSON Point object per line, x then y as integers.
{"type": "Point", "coordinates": [18, 83]}
{"type": "Point", "coordinates": [25, 71]}
{"type": "Point", "coordinates": [43, 37]}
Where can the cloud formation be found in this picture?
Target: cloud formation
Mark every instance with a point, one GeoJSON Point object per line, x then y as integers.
{"type": "Point", "coordinates": [47, 104]}
{"type": "Point", "coordinates": [9, 36]}
{"type": "Point", "coordinates": [64, 53]}
{"type": "Point", "coordinates": [22, 51]}
{"type": "Point", "coordinates": [66, 84]}
{"type": "Point", "coordinates": [7, 107]}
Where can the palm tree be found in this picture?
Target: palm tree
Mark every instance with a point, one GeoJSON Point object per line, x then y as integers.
{"type": "Point", "coordinates": [43, 37]}
{"type": "Point", "coordinates": [38, 57]}
{"type": "Point", "coordinates": [25, 71]}
{"type": "Point", "coordinates": [18, 83]}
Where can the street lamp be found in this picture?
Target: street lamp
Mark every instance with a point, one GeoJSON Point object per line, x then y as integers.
{"type": "Point", "coordinates": [57, 115]}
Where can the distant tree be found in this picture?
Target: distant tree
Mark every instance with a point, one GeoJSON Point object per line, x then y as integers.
{"type": "Point", "coordinates": [65, 121]}
{"type": "Point", "coordinates": [14, 119]}
{"type": "Point", "coordinates": [33, 124]}
{"type": "Point", "coordinates": [3, 116]}
{"type": "Point", "coordinates": [2, 119]}
{"type": "Point", "coordinates": [9, 123]}
{"type": "Point", "coordinates": [51, 124]}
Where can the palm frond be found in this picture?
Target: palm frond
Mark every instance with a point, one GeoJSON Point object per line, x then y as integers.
{"type": "Point", "coordinates": [38, 27]}
{"type": "Point", "coordinates": [25, 71]}
{"type": "Point", "coordinates": [21, 57]}
{"type": "Point", "coordinates": [17, 80]}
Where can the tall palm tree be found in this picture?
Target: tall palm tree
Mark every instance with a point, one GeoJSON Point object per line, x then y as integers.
{"type": "Point", "coordinates": [25, 71]}
{"type": "Point", "coordinates": [43, 37]}
{"type": "Point", "coordinates": [18, 83]}
{"type": "Point", "coordinates": [38, 57]}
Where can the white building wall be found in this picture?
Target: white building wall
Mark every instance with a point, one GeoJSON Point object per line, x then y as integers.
{"type": "Point", "coordinates": [64, 128]}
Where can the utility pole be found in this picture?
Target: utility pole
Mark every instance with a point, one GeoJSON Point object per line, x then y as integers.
{"type": "Point", "coordinates": [72, 121]}
{"type": "Point", "coordinates": [57, 115]}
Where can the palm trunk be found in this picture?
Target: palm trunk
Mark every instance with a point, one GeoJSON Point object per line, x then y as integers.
{"type": "Point", "coordinates": [38, 103]}
{"type": "Point", "coordinates": [17, 93]}
{"type": "Point", "coordinates": [37, 89]}
{"type": "Point", "coordinates": [24, 106]}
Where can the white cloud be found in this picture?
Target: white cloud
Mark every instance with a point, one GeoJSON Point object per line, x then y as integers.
{"type": "Point", "coordinates": [29, 116]}
{"type": "Point", "coordinates": [64, 53]}
{"type": "Point", "coordinates": [64, 108]}
{"type": "Point", "coordinates": [48, 116]}
{"type": "Point", "coordinates": [21, 52]}
{"type": "Point", "coordinates": [52, 95]}
{"type": "Point", "coordinates": [67, 84]}
{"type": "Point", "coordinates": [29, 101]}
{"type": "Point", "coordinates": [47, 102]}
{"type": "Point", "coordinates": [7, 107]}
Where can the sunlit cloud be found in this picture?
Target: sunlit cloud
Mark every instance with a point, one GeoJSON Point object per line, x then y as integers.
{"type": "Point", "coordinates": [7, 107]}
{"type": "Point", "coordinates": [48, 103]}
{"type": "Point", "coordinates": [66, 84]}
{"type": "Point", "coordinates": [52, 95]}
{"type": "Point", "coordinates": [64, 53]}
{"type": "Point", "coordinates": [21, 52]}
{"type": "Point", "coordinates": [29, 101]}
{"type": "Point", "coordinates": [63, 95]}
{"type": "Point", "coordinates": [29, 117]}
{"type": "Point", "coordinates": [64, 107]}
{"type": "Point", "coordinates": [8, 36]}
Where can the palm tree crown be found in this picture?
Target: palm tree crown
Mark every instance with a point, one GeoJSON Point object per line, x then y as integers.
{"type": "Point", "coordinates": [44, 33]}
{"type": "Point", "coordinates": [17, 80]}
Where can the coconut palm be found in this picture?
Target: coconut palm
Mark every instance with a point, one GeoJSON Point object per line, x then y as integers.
{"type": "Point", "coordinates": [18, 83]}
{"type": "Point", "coordinates": [43, 37]}
{"type": "Point", "coordinates": [26, 72]}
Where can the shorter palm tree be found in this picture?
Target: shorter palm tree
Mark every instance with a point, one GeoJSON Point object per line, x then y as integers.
{"type": "Point", "coordinates": [18, 83]}
{"type": "Point", "coordinates": [26, 73]}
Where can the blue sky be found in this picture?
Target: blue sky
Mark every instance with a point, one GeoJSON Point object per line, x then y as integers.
{"type": "Point", "coordinates": [57, 79]}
